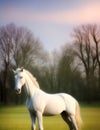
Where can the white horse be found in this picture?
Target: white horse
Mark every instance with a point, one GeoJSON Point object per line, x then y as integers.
{"type": "Point", "coordinates": [40, 103]}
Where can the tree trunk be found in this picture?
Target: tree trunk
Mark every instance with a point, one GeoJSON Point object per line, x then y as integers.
{"type": "Point", "coordinates": [4, 84]}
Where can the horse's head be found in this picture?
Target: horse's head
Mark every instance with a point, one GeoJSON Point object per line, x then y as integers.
{"type": "Point", "coordinates": [19, 79]}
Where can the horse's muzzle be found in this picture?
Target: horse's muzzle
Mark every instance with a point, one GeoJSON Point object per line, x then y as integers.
{"type": "Point", "coordinates": [18, 91]}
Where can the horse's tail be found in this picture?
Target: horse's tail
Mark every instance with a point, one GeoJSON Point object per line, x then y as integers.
{"type": "Point", "coordinates": [78, 116]}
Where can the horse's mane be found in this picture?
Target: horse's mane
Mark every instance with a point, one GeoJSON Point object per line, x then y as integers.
{"type": "Point", "coordinates": [32, 78]}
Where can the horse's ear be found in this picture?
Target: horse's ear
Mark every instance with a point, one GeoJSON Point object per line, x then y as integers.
{"type": "Point", "coordinates": [21, 69]}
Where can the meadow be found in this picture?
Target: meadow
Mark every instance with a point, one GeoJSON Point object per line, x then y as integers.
{"type": "Point", "coordinates": [17, 118]}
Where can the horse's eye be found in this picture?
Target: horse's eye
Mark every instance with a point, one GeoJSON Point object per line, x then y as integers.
{"type": "Point", "coordinates": [21, 77]}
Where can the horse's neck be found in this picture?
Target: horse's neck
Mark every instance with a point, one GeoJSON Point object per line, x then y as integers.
{"type": "Point", "coordinates": [30, 86]}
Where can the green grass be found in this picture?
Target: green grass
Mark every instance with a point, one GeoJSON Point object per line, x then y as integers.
{"type": "Point", "coordinates": [91, 117]}
{"type": "Point", "coordinates": [17, 118]}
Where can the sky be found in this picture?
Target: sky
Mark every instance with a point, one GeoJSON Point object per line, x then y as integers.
{"type": "Point", "coordinates": [52, 21]}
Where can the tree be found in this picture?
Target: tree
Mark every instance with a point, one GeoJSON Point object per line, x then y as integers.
{"type": "Point", "coordinates": [52, 71]}
{"type": "Point", "coordinates": [5, 56]}
{"type": "Point", "coordinates": [27, 48]}
{"type": "Point", "coordinates": [64, 70]}
{"type": "Point", "coordinates": [95, 33]}
{"type": "Point", "coordinates": [68, 76]}
{"type": "Point", "coordinates": [86, 49]}
{"type": "Point", "coordinates": [18, 47]}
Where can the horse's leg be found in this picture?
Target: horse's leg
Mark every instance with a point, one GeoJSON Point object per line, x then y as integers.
{"type": "Point", "coordinates": [33, 118]}
{"type": "Point", "coordinates": [40, 121]}
{"type": "Point", "coordinates": [74, 122]}
{"type": "Point", "coordinates": [67, 119]}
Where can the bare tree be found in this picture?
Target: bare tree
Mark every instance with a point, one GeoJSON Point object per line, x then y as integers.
{"type": "Point", "coordinates": [5, 56]}
{"type": "Point", "coordinates": [19, 47]}
{"type": "Point", "coordinates": [95, 33]}
{"type": "Point", "coordinates": [27, 50]}
{"type": "Point", "coordinates": [86, 51]}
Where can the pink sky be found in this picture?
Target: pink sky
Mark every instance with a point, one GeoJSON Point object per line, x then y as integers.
{"type": "Point", "coordinates": [52, 25]}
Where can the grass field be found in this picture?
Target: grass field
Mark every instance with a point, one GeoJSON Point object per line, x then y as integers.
{"type": "Point", "coordinates": [17, 118]}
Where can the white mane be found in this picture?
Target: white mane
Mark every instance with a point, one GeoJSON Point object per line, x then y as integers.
{"type": "Point", "coordinates": [32, 78]}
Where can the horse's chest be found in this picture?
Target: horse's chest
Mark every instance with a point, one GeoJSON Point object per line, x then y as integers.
{"type": "Point", "coordinates": [36, 104]}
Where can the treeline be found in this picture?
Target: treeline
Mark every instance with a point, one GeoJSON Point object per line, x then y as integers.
{"type": "Point", "coordinates": [75, 69]}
